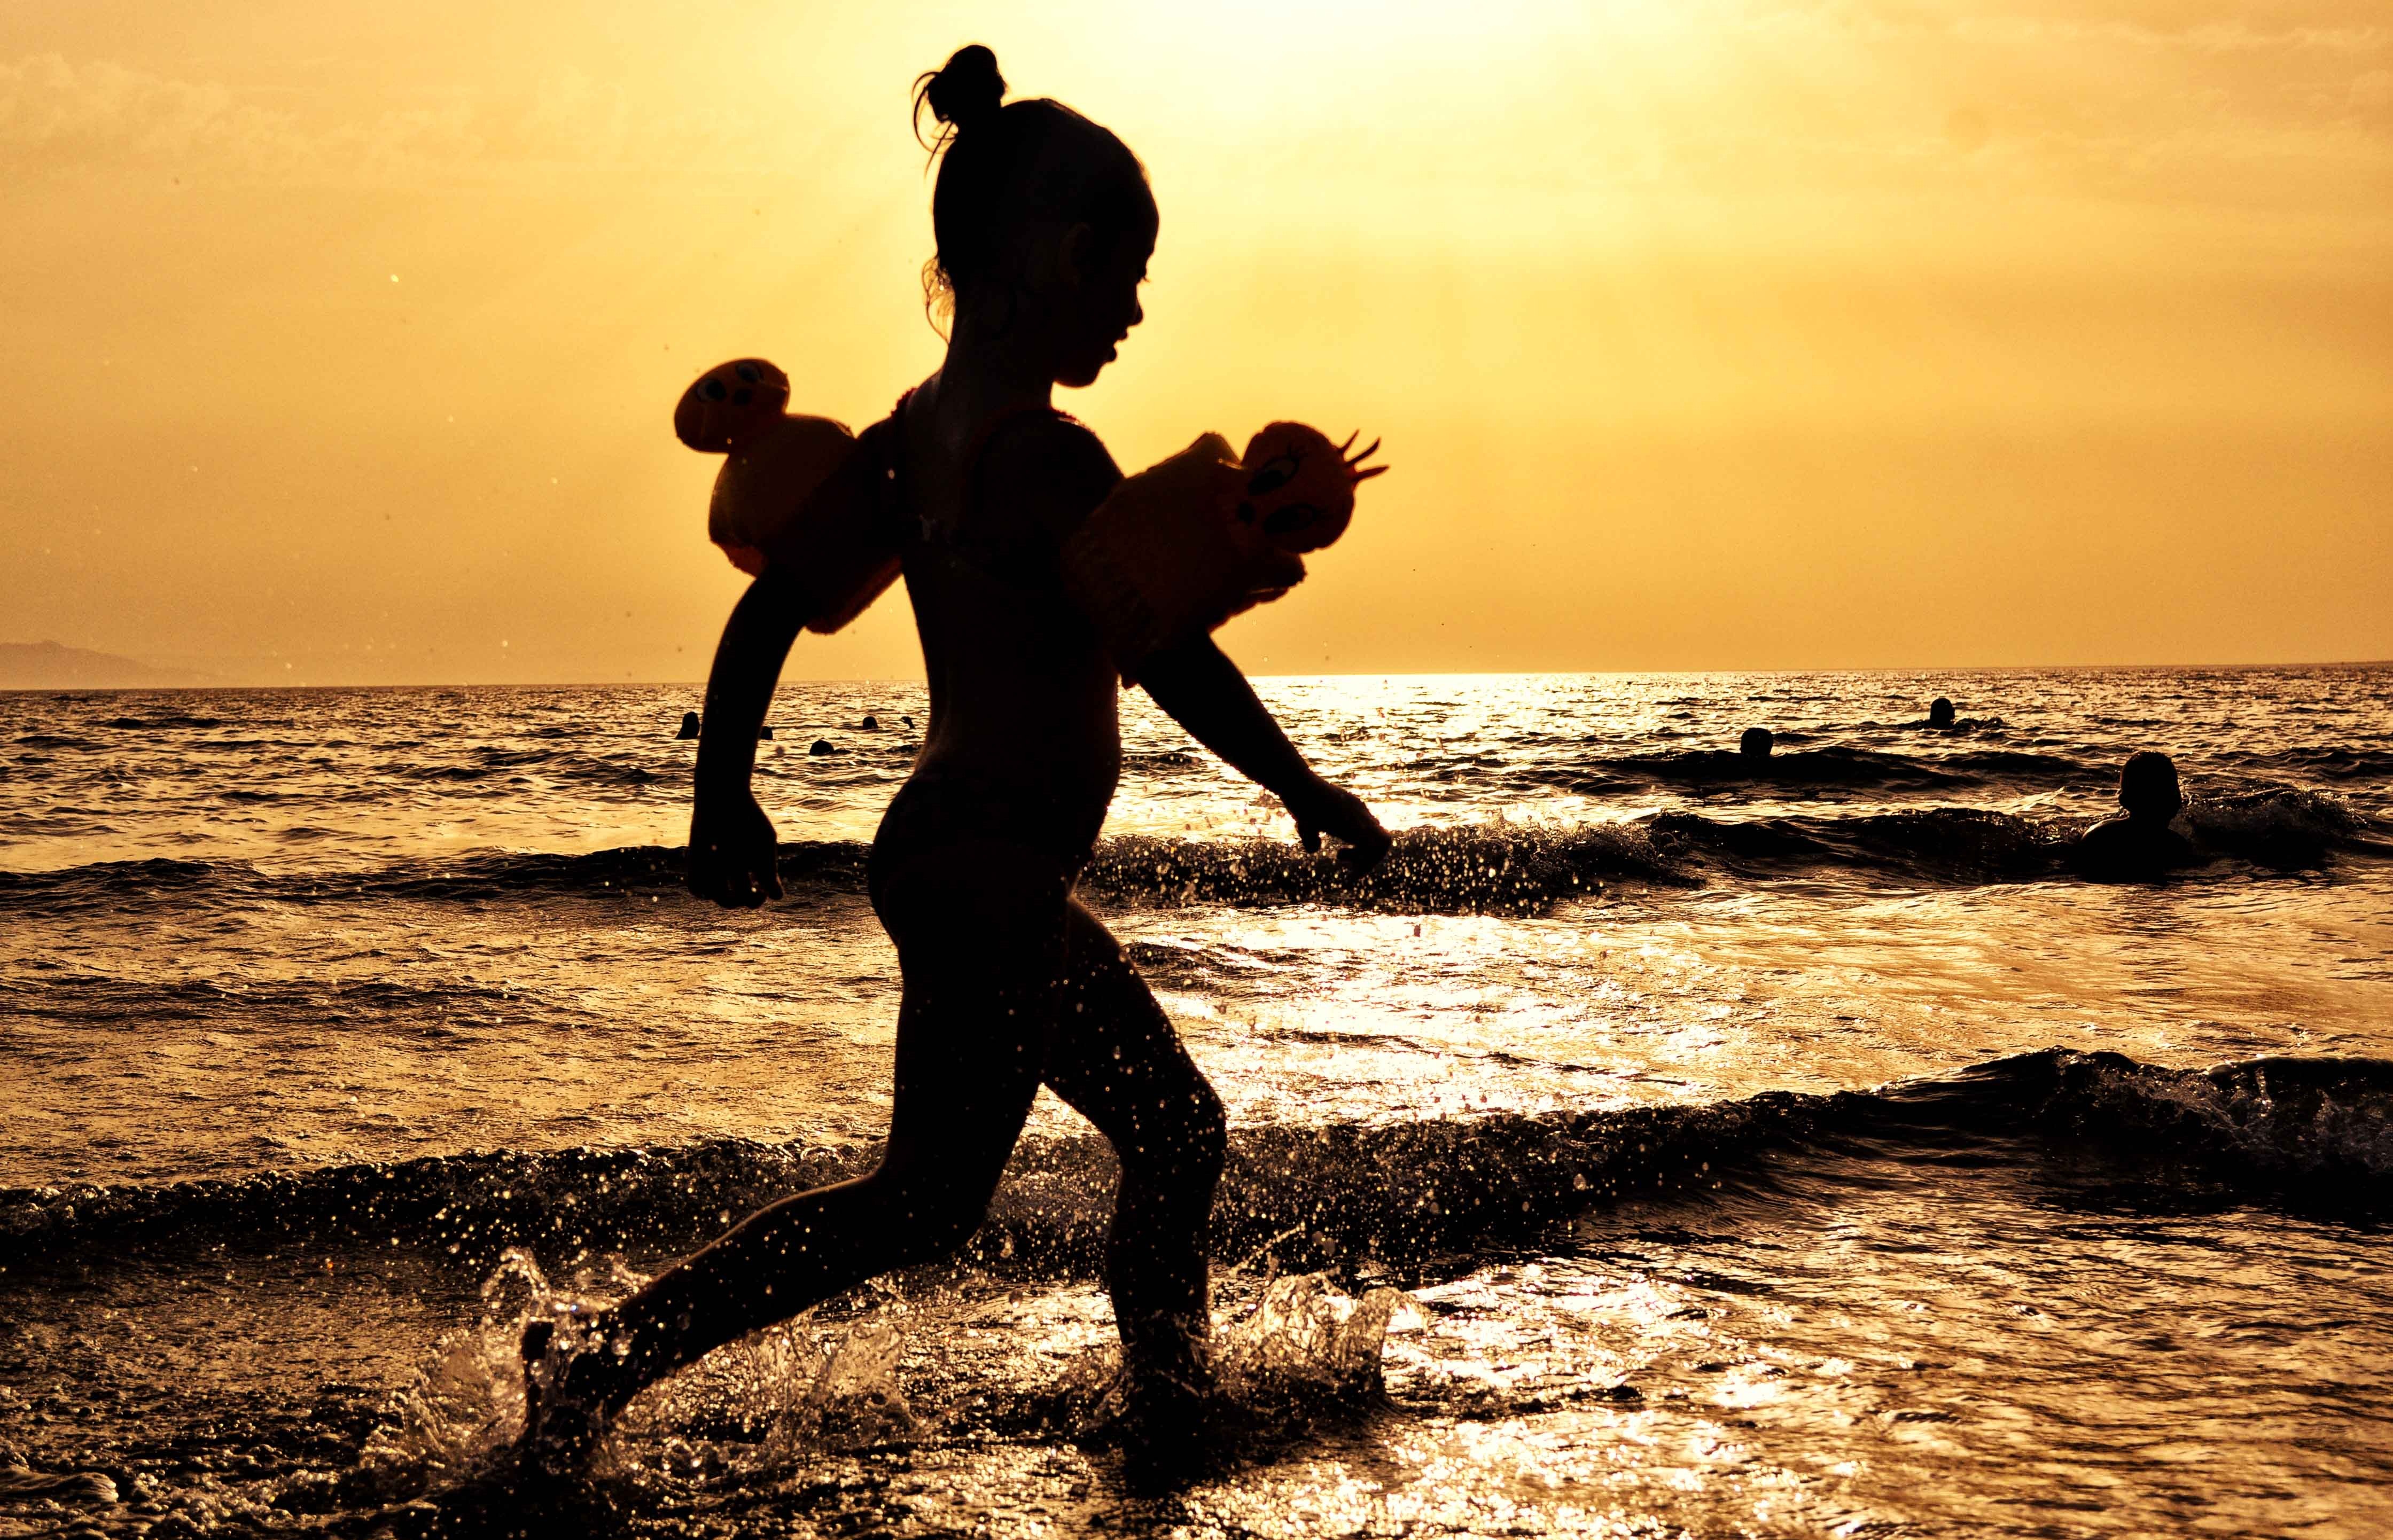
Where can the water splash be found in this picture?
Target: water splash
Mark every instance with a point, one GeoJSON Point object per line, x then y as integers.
{"type": "Point", "coordinates": [1306, 1340]}
{"type": "Point", "coordinates": [465, 1408]}
{"type": "Point", "coordinates": [1303, 1347]}
{"type": "Point", "coordinates": [751, 1409]}
{"type": "Point", "coordinates": [759, 1407]}
{"type": "Point", "coordinates": [1499, 869]}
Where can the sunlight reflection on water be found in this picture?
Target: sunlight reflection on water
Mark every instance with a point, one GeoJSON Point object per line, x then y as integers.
{"type": "Point", "coordinates": [356, 945]}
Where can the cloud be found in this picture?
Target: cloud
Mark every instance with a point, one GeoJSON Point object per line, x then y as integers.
{"type": "Point", "coordinates": [59, 117]}
{"type": "Point", "coordinates": [2263, 104]}
{"type": "Point", "coordinates": [56, 113]}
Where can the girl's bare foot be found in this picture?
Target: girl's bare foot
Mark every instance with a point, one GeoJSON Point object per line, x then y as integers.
{"type": "Point", "coordinates": [565, 1416]}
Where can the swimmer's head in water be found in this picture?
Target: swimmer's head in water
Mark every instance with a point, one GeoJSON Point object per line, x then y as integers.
{"type": "Point", "coordinates": [1301, 487]}
{"type": "Point", "coordinates": [1043, 219]}
{"type": "Point", "coordinates": [729, 404]}
{"type": "Point", "coordinates": [2148, 786]}
{"type": "Point", "coordinates": [1939, 712]}
{"type": "Point", "coordinates": [1756, 743]}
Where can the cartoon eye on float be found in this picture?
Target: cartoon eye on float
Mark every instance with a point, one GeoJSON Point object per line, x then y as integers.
{"type": "Point", "coordinates": [774, 464]}
{"type": "Point", "coordinates": [731, 405]}
{"type": "Point", "coordinates": [1301, 487]}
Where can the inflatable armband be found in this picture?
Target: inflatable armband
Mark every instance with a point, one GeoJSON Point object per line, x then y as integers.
{"type": "Point", "coordinates": [799, 491]}
{"type": "Point", "coordinates": [1186, 545]}
{"type": "Point", "coordinates": [1301, 487]}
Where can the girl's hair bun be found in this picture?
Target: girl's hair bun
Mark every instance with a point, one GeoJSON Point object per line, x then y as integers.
{"type": "Point", "coordinates": [1002, 166]}
{"type": "Point", "coordinates": [968, 91]}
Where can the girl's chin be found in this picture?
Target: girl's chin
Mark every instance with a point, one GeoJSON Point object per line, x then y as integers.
{"type": "Point", "coordinates": [1083, 370]}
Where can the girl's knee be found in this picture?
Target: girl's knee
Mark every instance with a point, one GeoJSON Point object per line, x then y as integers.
{"type": "Point", "coordinates": [932, 1219]}
{"type": "Point", "coordinates": [1197, 1139]}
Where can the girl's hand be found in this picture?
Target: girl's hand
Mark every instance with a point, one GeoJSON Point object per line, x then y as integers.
{"type": "Point", "coordinates": [1320, 808]}
{"type": "Point", "coordinates": [731, 850]}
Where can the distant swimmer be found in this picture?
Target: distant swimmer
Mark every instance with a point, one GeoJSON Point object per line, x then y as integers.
{"type": "Point", "coordinates": [688, 725]}
{"type": "Point", "coordinates": [1940, 719]}
{"type": "Point", "coordinates": [869, 724]}
{"type": "Point", "coordinates": [1756, 743]}
{"type": "Point", "coordinates": [2142, 845]}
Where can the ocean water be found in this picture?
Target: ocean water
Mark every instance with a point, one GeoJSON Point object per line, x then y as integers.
{"type": "Point", "coordinates": [1658, 1144]}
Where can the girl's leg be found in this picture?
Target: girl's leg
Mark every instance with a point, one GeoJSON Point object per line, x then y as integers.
{"type": "Point", "coordinates": [981, 951]}
{"type": "Point", "coordinates": [1114, 1058]}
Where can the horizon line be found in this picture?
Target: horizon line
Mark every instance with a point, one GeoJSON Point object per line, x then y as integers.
{"type": "Point", "coordinates": [1352, 673]}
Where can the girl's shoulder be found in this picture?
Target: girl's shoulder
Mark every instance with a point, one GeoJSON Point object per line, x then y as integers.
{"type": "Point", "coordinates": [1033, 439]}
{"type": "Point", "coordinates": [1043, 467]}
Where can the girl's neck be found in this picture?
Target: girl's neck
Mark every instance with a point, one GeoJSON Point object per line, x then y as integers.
{"type": "Point", "coordinates": [988, 371]}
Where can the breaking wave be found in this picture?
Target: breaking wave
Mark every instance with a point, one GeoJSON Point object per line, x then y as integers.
{"type": "Point", "coordinates": [2318, 1131]}
{"type": "Point", "coordinates": [2280, 828]}
{"type": "Point", "coordinates": [1833, 766]}
{"type": "Point", "coordinates": [1496, 868]}
{"type": "Point", "coordinates": [1943, 843]}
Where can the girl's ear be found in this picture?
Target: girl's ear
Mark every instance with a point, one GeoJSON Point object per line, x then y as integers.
{"type": "Point", "coordinates": [1076, 256]}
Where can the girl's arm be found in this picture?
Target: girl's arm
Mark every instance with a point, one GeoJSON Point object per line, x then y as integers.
{"type": "Point", "coordinates": [1050, 473]}
{"type": "Point", "coordinates": [1202, 690]}
{"type": "Point", "coordinates": [731, 841]}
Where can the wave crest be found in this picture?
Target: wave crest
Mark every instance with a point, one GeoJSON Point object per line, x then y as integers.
{"type": "Point", "coordinates": [1495, 867]}
{"type": "Point", "coordinates": [2319, 1129]}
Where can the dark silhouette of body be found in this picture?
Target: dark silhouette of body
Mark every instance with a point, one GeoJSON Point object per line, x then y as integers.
{"type": "Point", "coordinates": [1756, 743]}
{"type": "Point", "coordinates": [2141, 846]}
{"type": "Point", "coordinates": [1009, 982]}
{"type": "Point", "coordinates": [689, 728]}
{"type": "Point", "coordinates": [1939, 712]}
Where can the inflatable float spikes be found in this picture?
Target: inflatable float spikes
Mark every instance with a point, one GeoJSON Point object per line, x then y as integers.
{"type": "Point", "coordinates": [1301, 487]}
{"type": "Point", "coordinates": [790, 490]}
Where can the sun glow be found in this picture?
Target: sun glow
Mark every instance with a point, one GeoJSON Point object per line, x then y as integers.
{"type": "Point", "coordinates": [1789, 310]}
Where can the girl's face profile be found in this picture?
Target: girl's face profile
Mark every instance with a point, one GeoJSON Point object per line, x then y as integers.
{"type": "Point", "coordinates": [1106, 305]}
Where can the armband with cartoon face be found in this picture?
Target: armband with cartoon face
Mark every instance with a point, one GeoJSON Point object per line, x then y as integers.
{"type": "Point", "coordinates": [1188, 543]}
{"type": "Point", "coordinates": [790, 490]}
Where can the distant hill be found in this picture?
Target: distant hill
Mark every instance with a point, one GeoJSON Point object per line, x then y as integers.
{"type": "Point", "coordinates": [49, 665]}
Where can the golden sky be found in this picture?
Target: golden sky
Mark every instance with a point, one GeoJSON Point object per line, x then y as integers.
{"type": "Point", "coordinates": [342, 340]}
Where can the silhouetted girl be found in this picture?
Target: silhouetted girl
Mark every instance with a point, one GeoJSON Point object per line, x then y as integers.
{"type": "Point", "coordinates": [1044, 226]}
